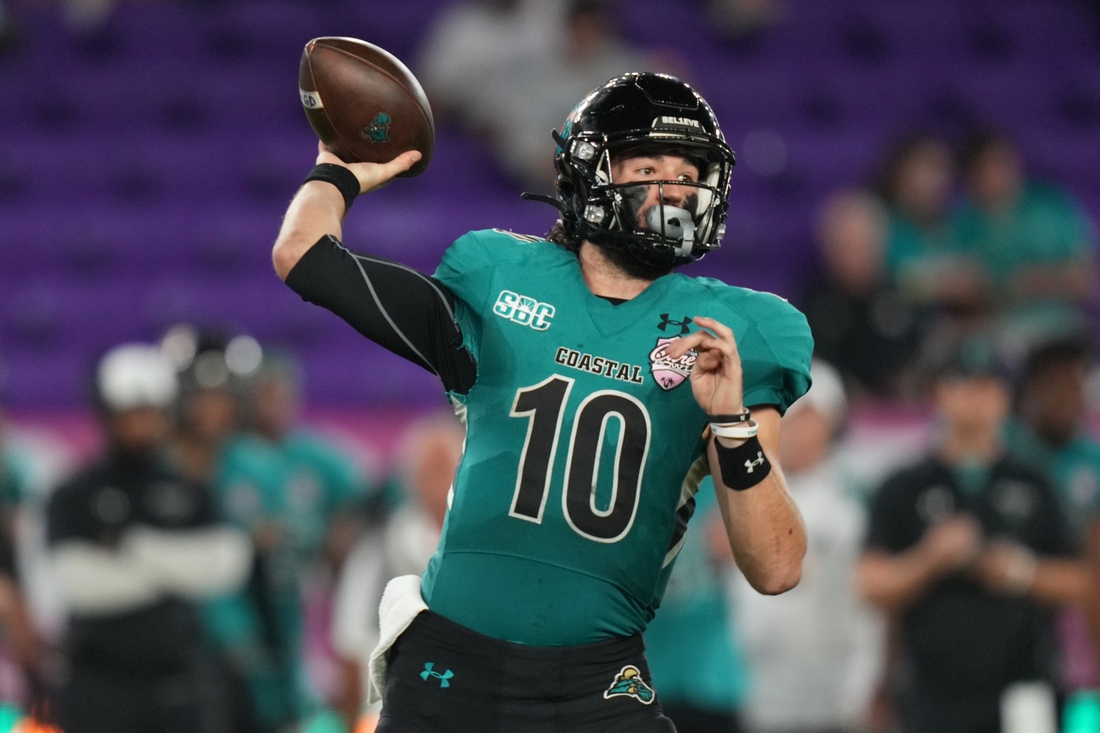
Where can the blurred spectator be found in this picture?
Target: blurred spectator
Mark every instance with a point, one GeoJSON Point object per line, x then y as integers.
{"type": "Point", "coordinates": [1048, 433]}
{"type": "Point", "coordinates": [814, 652]}
{"type": "Point", "coordinates": [258, 627]}
{"type": "Point", "coordinates": [697, 670]}
{"type": "Point", "coordinates": [922, 257]}
{"type": "Point", "coordinates": [425, 468]}
{"type": "Point", "coordinates": [745, 21]}
{"type": "Point", "coordinates": [325, 484]}
{"type": "Point", "coordinates": [971, 550]}
{"type": "Point", "coordinates": [473, 39]}
{"type": "Point", "coordinates": [134, 546]}
{"type": "Point", "coordinates": [15, 620]}
{"type": "Point", "coordinates": [524, 99]}
{"type": "Point", "coordinates": [859, 323]}
{"type": "Point", "coordinates": [326, 495]}
{"type": "Point", "coordinates": [1033, 240]}
{"type": "Point", "coordinates": [15, 479]}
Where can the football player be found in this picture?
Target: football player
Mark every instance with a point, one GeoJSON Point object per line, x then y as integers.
{"type": "Point", "coordinates": [598, 388]}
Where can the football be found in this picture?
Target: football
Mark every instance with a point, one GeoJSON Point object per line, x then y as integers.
{"type": "Point", "coordinates": [363, 103]}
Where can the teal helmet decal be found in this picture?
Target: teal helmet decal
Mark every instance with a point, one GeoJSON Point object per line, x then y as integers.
{"type": "Point", "coordinates": [378, 129]}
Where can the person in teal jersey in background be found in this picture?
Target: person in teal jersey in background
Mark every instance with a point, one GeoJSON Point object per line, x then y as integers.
{"type": "Point", "coordinates": [1048, 432]}
{"type": "Point", "coordinates": [1034, 242]}
{"type": "Point", "coordinates": [598, 388]}
{"type": "Point", "coordinates": [325, 484]}
{"type": "Point", "coordinates": [696, 663]}
{"type": "Point", "coordinates": [259, 627]}
{"type": "Point", "coordinates": [923, 258]}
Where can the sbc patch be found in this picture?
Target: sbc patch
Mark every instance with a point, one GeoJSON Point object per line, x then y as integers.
{"type": "Point", "coordinates": [523, 310]}
{"type": "Point", "coordinates": [629, 683]}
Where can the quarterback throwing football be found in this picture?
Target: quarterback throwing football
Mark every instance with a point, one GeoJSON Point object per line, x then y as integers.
{"type": "Point", "coordinates": [598, 387]}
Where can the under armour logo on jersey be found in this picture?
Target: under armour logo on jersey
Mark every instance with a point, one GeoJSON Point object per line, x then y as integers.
{"type": "Point", "coordinates": [685, 325]}
{"type": "Point", "coordinates": [750, 465]}
{"type": "Point", "coordinates": [523, 310]}
{"type": "Point", "coordinates": [443, 677]}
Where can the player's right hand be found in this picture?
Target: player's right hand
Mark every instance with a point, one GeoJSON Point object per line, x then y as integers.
{"type": "Point", "coordinates": [372, 176]}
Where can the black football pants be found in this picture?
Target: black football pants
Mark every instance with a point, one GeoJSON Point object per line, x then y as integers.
{"type": "Point", "coordinates": [445, 678]}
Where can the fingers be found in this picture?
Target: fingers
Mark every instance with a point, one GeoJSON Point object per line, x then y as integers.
{"type": "Point", "coordinates": [721, 340]}
{"type": "Point", "coordinates": [723, 331]}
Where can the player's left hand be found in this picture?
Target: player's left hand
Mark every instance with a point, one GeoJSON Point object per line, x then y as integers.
{"type": "Point", "coordinates": [716, 375]}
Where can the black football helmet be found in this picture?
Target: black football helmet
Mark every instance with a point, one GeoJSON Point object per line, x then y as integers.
{"type": "Point", "coordinates": [632, 114]}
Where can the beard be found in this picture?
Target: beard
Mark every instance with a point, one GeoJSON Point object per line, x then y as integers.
{"type": "Point", "coordinates": [631, 265]}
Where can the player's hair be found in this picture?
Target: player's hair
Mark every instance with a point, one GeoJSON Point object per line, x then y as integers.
{"type": "Point", "coordinates": [562, 237]}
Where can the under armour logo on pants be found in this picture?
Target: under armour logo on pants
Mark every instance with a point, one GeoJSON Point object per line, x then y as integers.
{"type": "Point", "coordinates": [441, 676]}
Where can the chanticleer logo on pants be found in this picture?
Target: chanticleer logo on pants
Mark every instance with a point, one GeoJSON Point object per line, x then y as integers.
{"type": "Point", "coordinates": [629, 682]}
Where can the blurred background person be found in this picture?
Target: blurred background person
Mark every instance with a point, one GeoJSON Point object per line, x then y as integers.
{"type": "Point", "coordinates": [923, 259]}
{"type": "Point", "coordinates": [430, 452]}
{"type": "Point", "coordinates": [698, 670]}
{"type": "Point", "coordinates": [971, 550]}
{"type": "Point", "coordinates": [21, 642]}
{"type": "Point", "coordinates": [1048, 431]}
{"type": "Point", "coordinates": [135, 547]}
{"type": "Point", "coordinates": [326, 493]}
{"type": "Point", "coordinates": [325, 486]}
{"type": "Point", "coordinates": [525, 99]}
{"type": "Point", "coordinates": [1032, 239]}
{"type": "Point", "coordinates": [859, 322]}
{"type": "Point", "coordinates": [814, 653]}
{"type": "Point", "coordinates": [745, 22]}
{"type": "Point", "coordinates": [258, 627]}
{"type": "Point", "coordinates": [472, 40]}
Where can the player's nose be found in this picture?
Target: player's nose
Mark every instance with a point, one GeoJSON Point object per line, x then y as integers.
{"type": "Point", "coordinates": [673, 195]}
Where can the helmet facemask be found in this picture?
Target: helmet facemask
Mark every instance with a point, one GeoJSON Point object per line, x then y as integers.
{"type": "Point", "coordinates": [643, 218]}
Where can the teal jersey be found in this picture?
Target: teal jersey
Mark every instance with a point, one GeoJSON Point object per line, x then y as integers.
{"type": "Point", "coordinates": [690, 645]}
{"type": "Point", "coordinates": [584, 442]}
{"type": "Point", "coordinates": [259, 626]}
{"type": "Point", "coordinates": [321, 481]}
{"type": "Point", "coordinates": [1074, 468]}
{"type": "Point", "coordinates": [1044, 227]}
{"type": "Point", "coordinates": [16, 474]}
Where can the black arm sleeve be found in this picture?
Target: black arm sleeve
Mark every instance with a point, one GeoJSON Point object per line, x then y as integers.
{"type": "Point", "coordinates": [394, 306]}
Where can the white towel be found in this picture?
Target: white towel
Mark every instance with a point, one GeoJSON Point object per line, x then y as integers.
{"type": "Point", "coordinates": [401, 603]}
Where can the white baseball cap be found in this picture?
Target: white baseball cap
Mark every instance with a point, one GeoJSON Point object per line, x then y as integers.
{"type": "Point", "coordinates": [136, 375]}
{"type": "Point", "coordinates": [826, 394]}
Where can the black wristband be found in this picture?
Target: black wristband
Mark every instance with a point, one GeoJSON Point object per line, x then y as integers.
{"type": "Point", "coordinates": [730, 419]}
{"type": "Point", "coordinates": [344, 180]}
{"type": "Point", "coordinates": [744, 466]}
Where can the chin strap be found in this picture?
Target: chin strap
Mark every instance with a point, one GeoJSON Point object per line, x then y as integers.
{"type": "Point", "coordinates": [674, 223]}
{"type": "Point", "coordinates": [552, 200]}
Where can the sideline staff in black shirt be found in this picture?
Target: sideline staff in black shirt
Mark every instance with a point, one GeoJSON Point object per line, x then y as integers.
{"type": "Point", "coordinates": [133, 545]}
{"type": "Point", "coordinates": [970, 549]}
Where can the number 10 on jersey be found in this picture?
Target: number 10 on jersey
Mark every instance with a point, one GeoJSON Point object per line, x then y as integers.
{"type": "Point", "coordinates": [543, 406]}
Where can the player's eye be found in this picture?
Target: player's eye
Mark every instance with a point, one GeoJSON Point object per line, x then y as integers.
{"type": "Point", "coordinates": [686, 177]}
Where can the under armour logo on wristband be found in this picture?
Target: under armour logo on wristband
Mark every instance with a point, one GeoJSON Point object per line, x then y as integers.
{"type": "Point", "coordinates": [443, 677]}
{"type": "Point", "coordinates": [749, 465]}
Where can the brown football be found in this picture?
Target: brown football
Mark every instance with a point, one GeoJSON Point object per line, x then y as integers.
{"type": "Point", "coordinates": [364, 104]}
